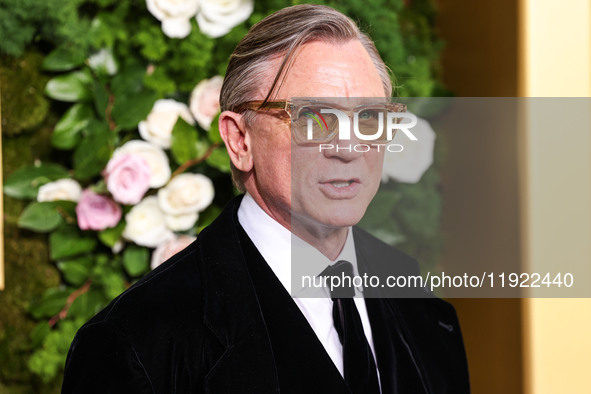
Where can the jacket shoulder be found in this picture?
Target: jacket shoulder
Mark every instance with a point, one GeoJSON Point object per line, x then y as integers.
{"type": "Point", "coordinates": [154, 327]}
{"type": "Point", "coordinates": [383, 259]}
{"type": "Point", "coordinates": [163, 292]}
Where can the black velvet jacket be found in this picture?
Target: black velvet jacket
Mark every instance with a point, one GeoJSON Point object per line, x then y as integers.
{"type": "Point", "coordinates": [215, 319]}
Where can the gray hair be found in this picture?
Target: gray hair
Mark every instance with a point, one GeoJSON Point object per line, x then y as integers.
{"type": "Point", "coordinates": [281, 34]}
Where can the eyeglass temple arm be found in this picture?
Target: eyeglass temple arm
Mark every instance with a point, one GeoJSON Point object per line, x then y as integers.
{"type": "Point", "coordinates": [260, 104]}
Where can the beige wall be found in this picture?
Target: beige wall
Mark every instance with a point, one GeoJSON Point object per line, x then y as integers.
{"type": "Point", "coordinates": [530, 195]}
{"type": "Point", "coordinates": [480, 185]}
{"type": "Point", "coordinates": [556, 192]}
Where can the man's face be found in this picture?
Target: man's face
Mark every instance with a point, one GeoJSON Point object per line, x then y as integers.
{"type": "Point", "coordinates": [318, 191]}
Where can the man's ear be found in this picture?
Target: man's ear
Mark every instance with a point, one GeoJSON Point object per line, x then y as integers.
{"type": "Point", "coordinates": [237, 140]}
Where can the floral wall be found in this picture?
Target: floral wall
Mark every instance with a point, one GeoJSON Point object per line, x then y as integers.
{"type": "Point", "coordinates": [113, 162]}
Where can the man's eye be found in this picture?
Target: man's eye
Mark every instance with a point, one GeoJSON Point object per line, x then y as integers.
{"type": "Point", "coordinates": [367, 114]}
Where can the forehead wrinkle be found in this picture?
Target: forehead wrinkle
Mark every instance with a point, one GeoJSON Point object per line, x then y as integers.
{"type": "Point", "coordinates": [336, 76]}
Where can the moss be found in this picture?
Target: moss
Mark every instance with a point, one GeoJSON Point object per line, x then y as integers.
{"type": "Point", "coordinates": [22, 93]}
{"type": "Point", "coordinates": [28, 272]}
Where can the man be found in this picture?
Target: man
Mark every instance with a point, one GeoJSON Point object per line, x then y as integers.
{"type": "Point", "coordinates": [218, 317]}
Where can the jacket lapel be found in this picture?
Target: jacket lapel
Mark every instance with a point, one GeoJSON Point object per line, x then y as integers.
{"type": "Point", "coordinates": [232, 313]}
{"type": "Point", "coordinates": [302, 363]}
{"type": "Point", "coordinates": [400, 368]}
{"type": "Point", "coordinates": [417, 335]}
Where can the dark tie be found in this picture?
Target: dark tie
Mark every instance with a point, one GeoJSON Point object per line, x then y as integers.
{"type": "Point", "coordinates": [360, 369]}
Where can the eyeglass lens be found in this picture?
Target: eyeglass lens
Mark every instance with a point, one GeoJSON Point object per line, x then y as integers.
{"type": "Point", "coordinates": [316, 124]}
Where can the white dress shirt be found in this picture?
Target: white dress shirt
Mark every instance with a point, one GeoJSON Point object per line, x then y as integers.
{"type": "Point", "coordinates": [274, 242]}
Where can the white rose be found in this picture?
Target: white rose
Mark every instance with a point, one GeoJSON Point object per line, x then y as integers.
{"type": "Point", "coordinates": [62, 189]}
{"type": "Point", "coordinates": [175, 15]}
{"type": "Point", "coordinates": [153, 155]}
{"type": "Point", "coordinates": [186, 193]}
{"type": "Point", "coordinates": [168, 249]}
{"type": "Point", "coordinates": [205, 101]}
{"type": "Point", "coordinates": [409, 165]}
{"type": "Point", "coordinates": [216, 18]}
{"type": "Point", "coordinates": [103, 60]}
{"type": "Point", "coordinates": [145, 224]}
{"type": "Point", "coordinates": [181, 222]}
{"type": "Point", "coordinates": [157, 128]}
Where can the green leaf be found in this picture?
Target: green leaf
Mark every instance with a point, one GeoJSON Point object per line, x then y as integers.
{"type": "Point", "coordinates": [151, 41]}
{"type": "Point", "coordinates": [25, 182]}
{"type": "Point", "coordinates": [219, 159]}
{"type": "Point", "coordinates": [39, 333]}
{"type": "Point", "coordinates": [94, 151]}
{"type": "Point", "coordinates": [108, 274]}
{"type": "Point", "coordinates": [75, 86]}
{"type": "Point", "coordinates": [202, 146]}
{"type": "Point", "coordinates": [129, 109]}
{"type": "Point", "coordinates": [66, 134]}
{"type": "Point", "coordinates": [52, 302]}
{"type": "Point", "coordinates": [160, 81]}
{"type": "Point", "coordinates": [68, 241]}
{"type": "Point", "coordinates": [129, 80]}
{"type": "Point", "coordinates": [67, 209]}
{"type": "Point", "coordinates": [183, 142]}
{"type": "Point", "coordinates": [110, 236]}
{"type": "Point", "coordinates": [62, 59]}
{"type": "Point", "coordinates": [110, 26]}
{"type": "Point", "coordinates": [214, 131]}
{"type": "Point", "coordinates": [136, 260]}
{"type": "Point", "coordinates": [40, 216]}
{"type": "Point", "coordinates": [87, 304]}
{"type": "Point", "coordinates": [113, 283]}
{"type": "Point", "coordinates": [48, 360]}
{"type": "Point", "coordinates": [76, 271]}
{"type": "Point", "coordinates": [101, 99]}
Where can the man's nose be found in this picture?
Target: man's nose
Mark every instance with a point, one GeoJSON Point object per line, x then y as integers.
{"type": "Point", "coordinates": [345, 149]}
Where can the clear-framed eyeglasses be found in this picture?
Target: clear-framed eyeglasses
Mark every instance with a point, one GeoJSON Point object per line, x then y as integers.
{"type": "Point", "coordinates": [318, 121]}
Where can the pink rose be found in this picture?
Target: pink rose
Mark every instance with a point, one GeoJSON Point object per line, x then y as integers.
{"type": "Point", "coordinates": [205, 101]}
{"type": "Point", "coordinates": [168, 249]}
{"type": "Point", "coordinates": [96, 211]}
{"type": "Point", "coordinates": [128, 178]}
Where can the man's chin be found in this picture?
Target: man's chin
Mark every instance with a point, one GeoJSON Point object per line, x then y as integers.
{"type": "Point", "coordinates": [329, 219]}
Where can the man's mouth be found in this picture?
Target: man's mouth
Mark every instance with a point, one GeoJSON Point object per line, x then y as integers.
{"type": "Point", "coordinates": [340, 184]}
{"type": "Point", "coordinates": [340, 188]}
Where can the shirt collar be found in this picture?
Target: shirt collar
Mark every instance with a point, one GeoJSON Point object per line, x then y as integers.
{"type": "Point", "coordinates": [276, 244]}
